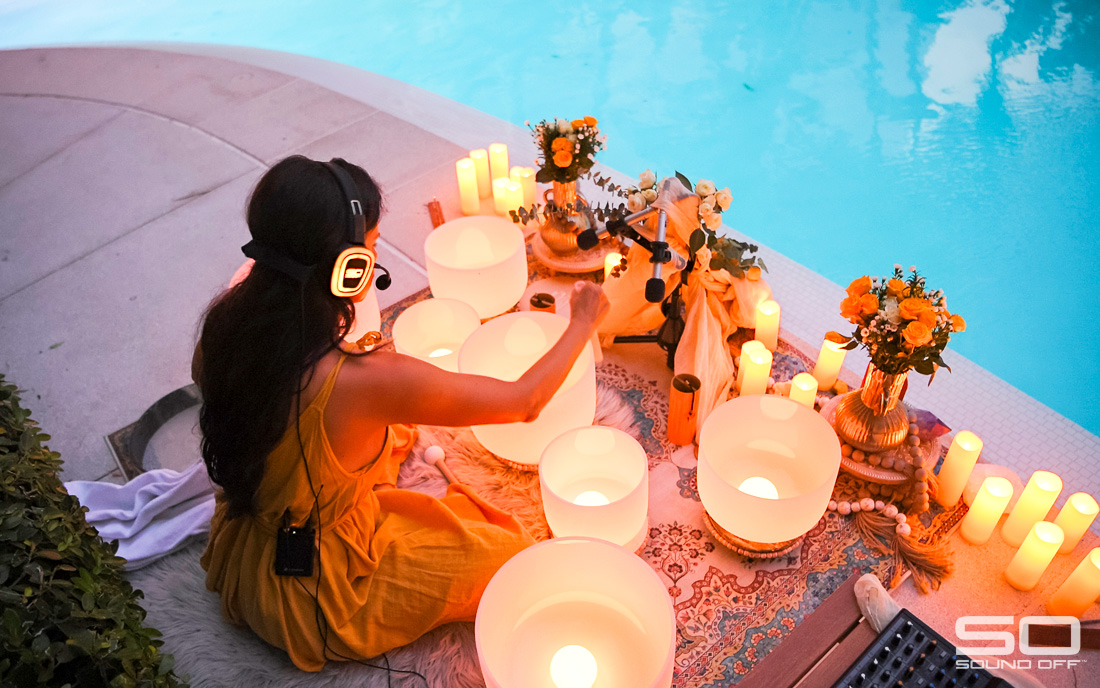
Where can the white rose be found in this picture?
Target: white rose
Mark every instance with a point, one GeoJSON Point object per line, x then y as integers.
{"type": "Point", "coordinates": [724, 198]}
{"type": "Point", "coordinates": [706, 206]}
{"type": "Point", "coordinates": [712, 220]}
{"type": "Point", "coordinates": [635, 202]}
{"type": "Point", "coordinates": [647, 179]}
{"type": "Point", "coordinates": [892, 312]}
{"type": "Point", "coordinates": [704, 187]}
{"type": "Point", "coordinates": [650, 195]}
{"type": "Point", "coordinates": [564, 127]}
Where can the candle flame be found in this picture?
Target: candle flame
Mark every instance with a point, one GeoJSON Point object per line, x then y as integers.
{"type": "Point", "coordinates": [573, 666]}
{"type": "Point", "coordinates": [759, 487]}
{"type": "Point", "coordinates": [591, 498]}
{"type": "Point", "coordinates": [440, 352]}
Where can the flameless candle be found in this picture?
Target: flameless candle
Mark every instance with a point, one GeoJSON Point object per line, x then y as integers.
{"type": "Point", "coordinates": [1034, 503]}
{"type": "Point", "coordinates": [758, 367]}
{"type": "Point", "coordinates": [513, 197]}
{"type": "Point", "coordinates": [595, 483]}
{"type": "Point", "coordinates": [1039, 547]}
{"type": "Point", "coordinates": [505, 348]}
{"type": "Point", "coordinates": [573, 613]}
{"type": "Point", "coordinates": [500, 195]}
{"type": "Point", "coordinates": [753, 345]}
{"type": "Point", "coordinates": [498, 161]}
{"type": "Point", "coordinates": [767, 467]}
{"type": "Point", "coordinates": [480, 260]}
{"type": "Point", "coordinates": [957, 467]}
{"type": "Point", "coordinates": [467, 186]}
{"type": "Point", "coordinates": [830, 359]}
{"type": "Point", "coordinates": [481, 167]}
{"type": "Point", "coordinates": [612, 260]}
{"type": "Point", "coordinates": [804, 389]}
{"type": "Point", "coordinates": [1080, 590]}
{"type": "Point", "coordinates": [1075, 518]}
{"type": "Point", "coordinates": [986, 510]}
{"type": "Point", "coordinates": [526, 178]}
{"type": "Point", "coordinates": [434, 330]}
{"type": "Point", "coordinates": [767, 324]}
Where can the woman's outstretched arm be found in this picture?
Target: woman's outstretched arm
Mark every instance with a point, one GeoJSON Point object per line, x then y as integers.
{"type": "Point", "coordinates": [403, 389]}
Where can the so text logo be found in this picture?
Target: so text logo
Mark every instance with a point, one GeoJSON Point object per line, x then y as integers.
{"type": "Point", "coordinates": [1004, 643]}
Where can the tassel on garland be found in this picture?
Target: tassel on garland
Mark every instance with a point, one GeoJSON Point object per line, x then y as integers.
{"type": "Point", "coordinates": [930, 564]}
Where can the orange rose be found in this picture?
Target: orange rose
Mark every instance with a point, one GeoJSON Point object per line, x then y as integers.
{"type": "Point", "coordinates": [752, 274]}
{"type": "Point", "coordinates": [577, 123]}
{"type": "Point", "coordinates": [895, 287]}
{"type": "Point", "coordinates": [927, 317]}
{"type": "Point", "coordinates": [916, 334]}
{"type": "Point", "coordinates": [860, 286]}
{"type": "Point", "coordinates": [560, 144]}
{"type": "Point", "coordinates": [868, 304]}
{"type": "Point", "coordinates": [911, 309]}
{"type": "Point", "coordinates": [563, 158]}
{"type": "Point", "coordinates": [590, 121]}
{"type": "Point", "coordinates": [852, 309]}
{"type": "Point", "coordinates": [957, 323]}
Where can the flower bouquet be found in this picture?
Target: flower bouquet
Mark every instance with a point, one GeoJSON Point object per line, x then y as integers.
{"type": "Point", "coordinates": [567, 152]}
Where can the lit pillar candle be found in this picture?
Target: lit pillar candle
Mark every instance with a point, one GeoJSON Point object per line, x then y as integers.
{"type": "Point", "coordinates": [957, 467]}
{"type": "Point", "coordinates": [498, 160]}
{"type": "Point", "coordinates": [526, 178]}
{"type": "Point", "coordinates": [514, 193]}
{"type": "Point", "coordinates": [1033, 557]}
{"type": "Point", "coordinates": [804, 389]}
{"type": "Point", "coordinates": [986, 511]}
{"type": "Point", "coordinates": [1080, 590]}
{"type": "Point", "coordinates": [746, 348]}
{"type": "Point", "coordinates": [467, 186]}
{"type": "Point", "coordinates": [1034, 503]}
{"type": "Point", "coordinates": [758, 366]}
{"type": "Point", "coordinates": [500, 195]}
{"type": "Point", "coordinates": [830, 359]}
{"type": "Point", "coordinates": [613, 259]}
{"type": "Point", "coordinates": [481, 167]}
{"type": "Point", "coordinates": [767, 324]}
{"type": "Point", "coordinates": [1075, 518]}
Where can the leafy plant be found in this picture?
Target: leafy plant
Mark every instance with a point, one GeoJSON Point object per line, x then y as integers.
{"type": "Point", "coordinates": [567, 149]}
{"type": "Point", "coordinates": [69, 617]}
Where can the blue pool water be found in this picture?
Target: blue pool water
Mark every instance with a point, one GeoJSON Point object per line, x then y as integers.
{"type": "Point", "coordinates": [962, 136]}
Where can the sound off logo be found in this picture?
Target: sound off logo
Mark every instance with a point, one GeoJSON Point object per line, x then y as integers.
{"type": "Point", "coordinates": [1004, 643]}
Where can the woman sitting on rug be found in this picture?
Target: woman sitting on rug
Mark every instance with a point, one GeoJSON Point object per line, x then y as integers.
{"type": "Point", "coordinates": [299, 431]}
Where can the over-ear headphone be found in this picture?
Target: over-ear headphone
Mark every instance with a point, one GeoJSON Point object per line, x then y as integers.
{"type": "Point", "coordinates": [354, 267]}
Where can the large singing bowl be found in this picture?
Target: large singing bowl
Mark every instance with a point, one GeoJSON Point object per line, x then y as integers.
{"type": "Point", "coordinates": [767, 467]}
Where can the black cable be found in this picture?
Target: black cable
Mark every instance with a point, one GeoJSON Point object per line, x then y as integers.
{"type": "Point", "coordinates": [318, 613]}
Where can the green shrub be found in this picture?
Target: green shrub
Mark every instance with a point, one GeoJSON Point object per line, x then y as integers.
{"type": "Point", "coordinates": [69, 617]}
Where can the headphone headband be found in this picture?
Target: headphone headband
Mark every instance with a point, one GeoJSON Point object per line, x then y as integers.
{"type": "Point", "coordinates": [358, 227]}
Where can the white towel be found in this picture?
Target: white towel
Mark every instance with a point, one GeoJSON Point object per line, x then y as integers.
{"type": "Point", "coordinates": [151, 516]}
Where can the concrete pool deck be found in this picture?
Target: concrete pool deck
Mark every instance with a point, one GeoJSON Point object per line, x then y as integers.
{"type": "Point", "coordinates": [124, 176]}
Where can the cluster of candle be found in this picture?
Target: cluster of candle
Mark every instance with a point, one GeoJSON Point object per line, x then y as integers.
{"type": "Point", "coordinates": [485, 174]}
{"type": "Point", "coordinates": [1037, 540]}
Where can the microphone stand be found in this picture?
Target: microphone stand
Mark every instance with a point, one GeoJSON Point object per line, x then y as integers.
{"type": "Point", "coordinates": [668, 335]}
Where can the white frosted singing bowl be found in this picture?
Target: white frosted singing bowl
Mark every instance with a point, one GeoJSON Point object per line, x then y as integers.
{"type": "Point", "coordinates": [434, 331]}
{"type": "Point", "coordinates": [595, 483]}
{"type": "Point", "coordinates": [767, 466]}
{"type": "Point", "coordinates": [480, 260]}
{"type": "Point", "coordinates": [505, 348]}
{"type": "Point", "coordinates": [575, 612]}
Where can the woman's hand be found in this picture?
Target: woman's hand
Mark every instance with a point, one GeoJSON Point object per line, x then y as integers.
{"type": "Point", "coordinates": [588, 304]}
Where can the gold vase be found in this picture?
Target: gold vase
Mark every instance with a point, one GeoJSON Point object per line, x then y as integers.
{"type": "Point", "coordinates": [873, 418]}
{"type": "Point", "coordinates": [559, 229]}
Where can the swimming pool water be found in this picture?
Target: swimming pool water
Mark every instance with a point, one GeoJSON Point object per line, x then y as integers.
{"type": "Point", "coordinates": [962, 136]}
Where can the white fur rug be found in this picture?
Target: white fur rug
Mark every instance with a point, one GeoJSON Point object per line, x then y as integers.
{"type": "Point", "coordinates": [212, 653]}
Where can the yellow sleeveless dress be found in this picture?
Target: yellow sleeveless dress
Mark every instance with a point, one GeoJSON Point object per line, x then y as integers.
{"type": "Point", "coordinates": [394, 564]}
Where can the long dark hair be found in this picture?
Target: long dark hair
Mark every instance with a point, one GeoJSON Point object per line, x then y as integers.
{"type": "Point", "coordinates": [263, 335]}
